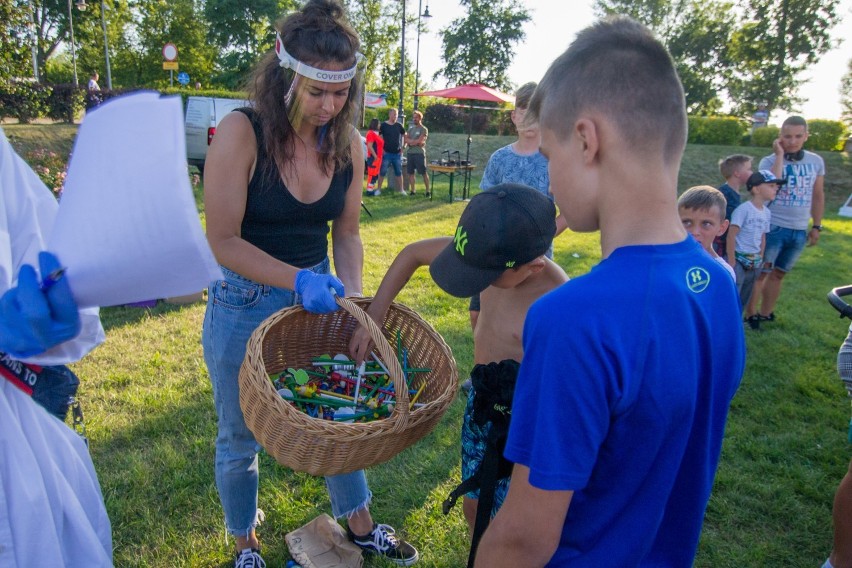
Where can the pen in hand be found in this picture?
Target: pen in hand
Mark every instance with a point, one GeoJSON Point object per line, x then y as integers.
{"type": "Point", "coordinates": [52, 278]}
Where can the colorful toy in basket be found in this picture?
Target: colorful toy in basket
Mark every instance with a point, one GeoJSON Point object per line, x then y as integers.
{"type": "Point", "coordinates": [335, 389]}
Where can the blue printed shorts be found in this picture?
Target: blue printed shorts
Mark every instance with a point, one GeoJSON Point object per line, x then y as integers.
{"type": "Point", "coordinates": [474, 441]}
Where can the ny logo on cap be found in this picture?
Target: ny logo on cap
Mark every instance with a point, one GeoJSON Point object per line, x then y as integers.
{"type": "Point", "coordinates": [460, 240]}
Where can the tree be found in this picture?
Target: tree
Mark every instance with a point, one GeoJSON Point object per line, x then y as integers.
{"type": "Point", "coordinates": [117, 16]}
{"type": "Point", "coordinates": [377, 24]}
{"type": "Point", "coordinates": [779, 41]}
{"type": "Point", "coordinates": [242, 30]}
{"type": "Point", "coordinates": [174, 21]}
{"type": "Point", "coordinates": [846, 96]}
{"type": "Point", "coordinates": [696, 33]}
{"type": "Point", "coordinates": [15, 36]}
{"type": "Point", "coordinates": [478, 47]}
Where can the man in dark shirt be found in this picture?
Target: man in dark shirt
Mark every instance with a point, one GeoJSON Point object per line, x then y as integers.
{"type": "Point", "coordinates": [392, 133]}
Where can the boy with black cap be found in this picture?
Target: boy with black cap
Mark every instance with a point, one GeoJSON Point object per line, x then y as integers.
{"type": "Point", "coordinates": [747, 236]}
{"type": "Point", "coordinates": [628, 372]}
{"type": "Point", "coordinates": [499, 251]}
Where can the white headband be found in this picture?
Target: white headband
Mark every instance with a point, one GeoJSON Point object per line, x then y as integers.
{"type": "Point", "coordinates": [305, 70]}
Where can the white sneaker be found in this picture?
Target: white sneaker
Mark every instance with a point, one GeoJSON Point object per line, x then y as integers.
{"type": "Point", "coordinates": [403, 192]}
{"type": "Point", "coordinates": [249, 558]}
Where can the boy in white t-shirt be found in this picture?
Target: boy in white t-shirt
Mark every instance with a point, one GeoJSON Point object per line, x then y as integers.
{"type": "Point", "coordinates": [747, 235]}
{"type": "Point", "coordinates": [702, 212]}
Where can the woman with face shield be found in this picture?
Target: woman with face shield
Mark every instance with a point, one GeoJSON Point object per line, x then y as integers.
{"type": "Point", "coordinates": [277, 174]}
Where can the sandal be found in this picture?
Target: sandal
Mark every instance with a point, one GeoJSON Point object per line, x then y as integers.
{"type": "Point", "coordinates": [770, 317]}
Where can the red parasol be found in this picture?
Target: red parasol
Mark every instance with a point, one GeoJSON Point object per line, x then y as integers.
{"type": "Point", "coordinates": [469, 92]}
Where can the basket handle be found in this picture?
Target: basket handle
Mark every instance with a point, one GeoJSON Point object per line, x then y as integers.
{"type": "Point", "coordinates": [389, 358]}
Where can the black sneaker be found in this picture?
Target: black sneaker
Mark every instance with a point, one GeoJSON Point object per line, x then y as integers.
{"type": "Point", "coordinates": [753, 322]}
{"type": "Point", "coordinates": [383, 540]}
{"type": "Point", "coordinates": [249, 558]}
{"type": "Point", "coordinates": [770, 317]}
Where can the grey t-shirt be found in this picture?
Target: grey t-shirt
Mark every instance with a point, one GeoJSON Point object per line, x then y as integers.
{"type": "Point", "coordinates": [791, 208]}
{"type": "Point", "coordinates": [417, 132]}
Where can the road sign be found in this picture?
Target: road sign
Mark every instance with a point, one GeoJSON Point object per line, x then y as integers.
{"type": "Point", "coordinates": [183, 78]}
{"type": "Point", "coordinates": [170, 52]}
{"type": "Point", "coordinates": [170, 65]}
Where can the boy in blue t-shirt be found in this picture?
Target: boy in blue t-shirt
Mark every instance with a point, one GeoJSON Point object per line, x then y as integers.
{"type": "Point", "coordinates": [628, 371]}
{"type": "Point", "coordinates": [498, 251]}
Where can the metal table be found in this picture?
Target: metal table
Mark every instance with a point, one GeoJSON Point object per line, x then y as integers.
{"type": "Point", "coordinates": [450, 171]}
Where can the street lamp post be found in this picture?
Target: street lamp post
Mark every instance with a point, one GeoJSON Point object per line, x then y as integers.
{"type": "Point", "coordinates": [73, 47]}
{"type": "Point", "coordinates": [34, 42]}
{"type": "Point", "coordinates": [81, 4]}
{"type": "Point", "coordinates": [425, 14]}
{"type": "Point", "coordinates": [106, 45]}
{"type": "Point", "coordinates": [401, 118]}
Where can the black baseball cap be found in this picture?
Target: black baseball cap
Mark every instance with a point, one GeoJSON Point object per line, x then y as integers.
{"type": "Point", "coordinates": [503, 227]}
{"type": "Point", "coordinates": [763, 176]}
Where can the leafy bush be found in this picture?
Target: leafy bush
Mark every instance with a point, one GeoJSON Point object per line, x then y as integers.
{"type": "Point", "coordinates": [185, 93]}
{"type": "Point", "coordinates": [24, 100]}
{"type": "Point", "coordinates": [825, 135]}
{"type": "Point", "coordinates": [764, 136]}
{"type": "Point", "coordinates": [444, 118]}
{"type": "Point", "coordinates": [65, 101]}
{"type": "Point", "coordinates": [693, 129]}
{"type": "Point", "coordinates": [721, 130]}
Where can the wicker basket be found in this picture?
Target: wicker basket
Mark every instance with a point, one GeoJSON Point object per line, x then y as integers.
{"type": "Point", "coordinates": [292, 336]}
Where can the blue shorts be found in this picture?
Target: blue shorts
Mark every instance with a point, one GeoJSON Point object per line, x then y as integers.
{"type": "Point", "coordinates": [783, 248]}
{"type": "Point", "coordinates": [394, 160]}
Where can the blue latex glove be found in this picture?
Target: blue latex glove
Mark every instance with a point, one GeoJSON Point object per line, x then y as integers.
{"type": "Point", "coordinates": [33, 320]}
{"type": "Point", "coordinates": [314, 289]}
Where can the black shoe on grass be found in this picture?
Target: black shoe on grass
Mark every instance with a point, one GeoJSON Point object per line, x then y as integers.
{"type": "Point", "coordinates": [383, 540]}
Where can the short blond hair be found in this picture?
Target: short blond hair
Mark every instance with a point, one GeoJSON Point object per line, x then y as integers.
{"type": "Point", "coordinates": [703, 198]}
{"type": "Point", "coordinates": [727, 166]}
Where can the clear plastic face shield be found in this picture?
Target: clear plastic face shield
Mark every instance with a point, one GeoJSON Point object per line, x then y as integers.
{"type": "Point", "coordinates": [332, 82]}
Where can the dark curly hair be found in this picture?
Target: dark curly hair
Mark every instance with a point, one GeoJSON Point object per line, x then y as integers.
{"type": "Point", "coordinates": [318, 33]}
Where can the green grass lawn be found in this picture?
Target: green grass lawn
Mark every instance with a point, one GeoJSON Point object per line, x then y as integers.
{"type": "Point", "coordinates": [151, 422]}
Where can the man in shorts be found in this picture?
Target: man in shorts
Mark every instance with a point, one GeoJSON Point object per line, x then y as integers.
{"type": "Point", "coordinates": [797, 202]}
{"type": "Point", "coordinates": [415, 138]}
{"type": "Point", "coordinates": [393, 134]}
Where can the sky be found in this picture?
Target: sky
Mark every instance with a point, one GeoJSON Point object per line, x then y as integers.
{"type": "Point", "coordinates": [555, 22]}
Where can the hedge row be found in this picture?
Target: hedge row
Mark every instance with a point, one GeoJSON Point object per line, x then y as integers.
{"type": "Point", "coordinates": [27, 100]}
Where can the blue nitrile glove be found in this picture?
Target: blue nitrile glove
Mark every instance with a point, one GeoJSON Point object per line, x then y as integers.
{"type": "Point", "coordinates": [314, 289]}
{"type": "Point", "coordinates": [33, 320]}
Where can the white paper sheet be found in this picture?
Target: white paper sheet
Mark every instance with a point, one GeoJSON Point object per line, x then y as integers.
{"type": "Point", "coordinates": [128, 229]}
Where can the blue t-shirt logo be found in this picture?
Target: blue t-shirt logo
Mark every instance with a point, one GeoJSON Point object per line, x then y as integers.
{"type": "Point", "coordinates": [697, 279]}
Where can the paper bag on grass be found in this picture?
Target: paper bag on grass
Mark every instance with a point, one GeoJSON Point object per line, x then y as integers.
{"type": "Point", "coordinates": [322, 543]}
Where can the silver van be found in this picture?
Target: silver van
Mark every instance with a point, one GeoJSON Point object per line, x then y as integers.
{"type": "Point", "coordinates": [202, 116]}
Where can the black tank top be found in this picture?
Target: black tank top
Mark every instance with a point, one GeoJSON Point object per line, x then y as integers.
{"type": "Point", "coordinates": [281, 225]}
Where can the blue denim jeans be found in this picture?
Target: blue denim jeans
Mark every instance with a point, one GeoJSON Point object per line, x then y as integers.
{"type": "Point", "coordinates": [235, 308]}
{"type": "Point", "coordinates": [389, 160]}
{"type": "Point", "coordinates": [783, 248]}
